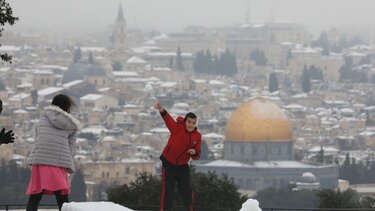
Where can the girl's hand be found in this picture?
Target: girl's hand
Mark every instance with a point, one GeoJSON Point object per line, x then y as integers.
{"type": "Point", "coordinates": [159, 107]}
{"type": "Point", "coordinates": [191, 151]}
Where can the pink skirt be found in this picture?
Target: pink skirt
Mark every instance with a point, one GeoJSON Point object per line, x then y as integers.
{"type": "Point", "coordinates": [48, 179]}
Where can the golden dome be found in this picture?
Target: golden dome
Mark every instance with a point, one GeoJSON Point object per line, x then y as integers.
{"type": "Point", "coordinates": [258, 120]}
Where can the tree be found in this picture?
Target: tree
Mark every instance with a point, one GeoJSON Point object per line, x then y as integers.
{"type": "Point", "coordinates": [170, 62]}
{"type": "Point", "coordinates": [6, 17]}
{"type": "Point", "coordinates": [365, 60]}
{"type": "Point", "coordinates": [91, 58]}
{"type": "Point", "coordinates": [325, 51]}
{"type": "Point", "coordinates": [117, 66]}
{"type": "Point", "coordinates": [336, 199]}
{"type": "Point", "coordinates": [273, 83]}
{"type": "Point", "coordinates": [320, 158]}
{"type": "Point", "coordinates": [224, 64]}
{"type": "Point", "coordinates": [205, 151]}
{"type": "Point", "coordinates": [289, 56]}
{"type": "Point", "coordinates": [78, 192]}
{"type": "Point", "coordinates": [346, 70]}
{"type": "Point", "coordinates": [208, 62]}
{"type": "Point", "coordinates": [315, 73]}
{"type": "Point", "coordinates": [258, 57]}
{"type": "Point", "coordinates": [34, 96]}
{"type": "Point", "coordinates": [13, 181]}
{"type": "Point", "coordinates": [210, 191]}
{"type": "Point", "coordinates": [77, 55]}
{"type": "Point", "coordinates": [286, 197]}
{"type": "Point", "coordinates": [199, 62]}
{"type": "Point", "coordinates": [305, 80]}
{"type": "Point", "coordinates": [134, 192]}
{"type": "Point", "coordinates": [179, 64]}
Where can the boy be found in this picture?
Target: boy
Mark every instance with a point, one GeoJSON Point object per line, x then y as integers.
{"type": "Point", "coordinates": [184, 143]}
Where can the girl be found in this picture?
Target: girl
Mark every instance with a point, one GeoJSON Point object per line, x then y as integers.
{"type": "Point", "coordinates": [52, 156]}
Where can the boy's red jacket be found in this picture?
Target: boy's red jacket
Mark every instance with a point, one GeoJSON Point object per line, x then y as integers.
{"type": "Point", "coordinates": [180, 141]}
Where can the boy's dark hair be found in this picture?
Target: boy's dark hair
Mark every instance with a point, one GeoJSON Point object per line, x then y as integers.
{"type": "Point", "coordinates": [191, 115]}
{"type": "Point", "coordinates": [63, 101]}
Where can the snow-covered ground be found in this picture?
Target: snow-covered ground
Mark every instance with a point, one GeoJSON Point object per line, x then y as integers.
{"type": "Point", "coordinates": [93, 206]}
{"type": "Point", "coordinates": [249, 205]}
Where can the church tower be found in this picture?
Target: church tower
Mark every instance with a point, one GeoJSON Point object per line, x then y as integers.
{"type": "Point", "coordinates": [118, 38]}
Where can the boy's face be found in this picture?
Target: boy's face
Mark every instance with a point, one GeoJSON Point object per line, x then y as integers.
{"type": "Point", "coordinates": [190, 124]}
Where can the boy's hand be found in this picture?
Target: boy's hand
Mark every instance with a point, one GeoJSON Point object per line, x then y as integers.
{"type": "Point", "coordinates": [191, 151]}
{"type": "Point", "coordinates": [159, 107]}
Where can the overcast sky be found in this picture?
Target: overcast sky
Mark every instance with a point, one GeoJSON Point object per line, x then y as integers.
{"type": "Point", "coordinates": [79, 16]}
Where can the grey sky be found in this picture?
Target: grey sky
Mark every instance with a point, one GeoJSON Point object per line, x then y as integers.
{"type": "Point", "coordinates": [173, 15]}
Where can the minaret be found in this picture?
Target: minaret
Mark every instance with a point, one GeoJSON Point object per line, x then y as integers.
{"type": "Point", "coordinates": [118, 38]}
{"type": "Point", "coordinates": [247, 15]}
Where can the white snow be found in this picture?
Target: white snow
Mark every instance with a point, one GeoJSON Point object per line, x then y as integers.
{"type": "Point", "coordinates": [250, 205]}
{"type": "Point", "coordinates": [135, 60]}
{"type": "Point", "coordinates": [264, 109]}
{"type": "Point", "coordinates": [93, 206]}
{"type": "Point", "coordinates": [49, 90]}
{"type": "Point", "coordinates": [125, 74]}
{"type": "Point", "coordinates": [91, 97]}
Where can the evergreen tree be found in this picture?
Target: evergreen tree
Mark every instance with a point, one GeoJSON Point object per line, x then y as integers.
{"type": "Point", "coordinates": [216, 65]}
{"type": "Point", "coordinates": [315, 73]}
{"type": "Point", "coordinates": [289, 56]}
{"type": "Point", "coordinates": [365, 60]}
{"type": "Point", "coordinates": [117, 66]}
{"type": "Point", "coordinates": [34, 96]}
{"type": "Point", "coordinates": [258, 57]}
{"type": "Point", "coordinates": [305, 80]}
{"type": "Point", "coordinates": [208, 62]}
{"type": "Point", "coordinates": [344, 171]}
{"type": "Point", "coordinates": [336, 48]}
{"type": "Point", "coordinates": [325, 51]}
{"type": "Point", "coordinates": [199, 62]}
{"type": "Point", "coordinates": [346, 69]}
{"type": "Point", "coordinates": [170, 65]}
{"type": "Point", "coordinates": [78, 192]}
{"type": "Point", "coordinates": [77, 55]}
{"type": "Point", "coordinates": [205, 151]}
{"type": "Point", "coordinates": [233, 64]}
{"type": "Point", "coordinates": [273, 83]}
{"type": "Point", "coordinates": [179, 63]}
{"type": "Point", "coordinates": [320, 158]}
{"type": "Point", "coordinates": [91, 58]}
{"type": "Point", "coordinates": [322, 41]}
{"type": "Point", "coordinates": [343, 42]}
{"type": "Point", "coordinates": [6, 17]}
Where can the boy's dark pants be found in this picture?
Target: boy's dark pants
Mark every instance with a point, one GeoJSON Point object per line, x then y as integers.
{"type": "Point", "coordinates": [170, 175]}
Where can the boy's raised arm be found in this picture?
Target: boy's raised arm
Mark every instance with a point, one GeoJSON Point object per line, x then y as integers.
{"type": "Point", "coordinates": [169, 121]}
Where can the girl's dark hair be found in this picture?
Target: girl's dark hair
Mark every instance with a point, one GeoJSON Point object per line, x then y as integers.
{"type": "Point", "coordinates": [191, 115]}
{"type": "Point", "coordinates": [63, 101]}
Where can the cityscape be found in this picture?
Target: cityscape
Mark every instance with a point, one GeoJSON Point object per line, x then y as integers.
{"type": "Point", "coordinates": [277, 103]}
